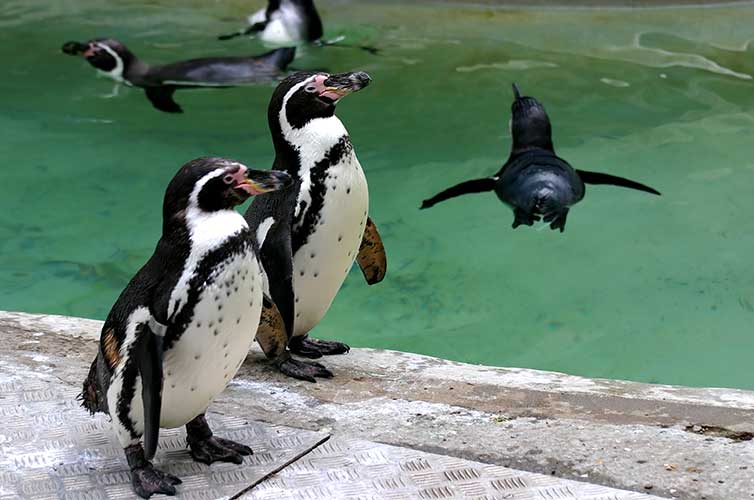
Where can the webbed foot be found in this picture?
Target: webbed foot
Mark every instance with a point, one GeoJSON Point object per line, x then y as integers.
{"type": "Point", "coordinates": [522, 217]}
{"type": "Point", "coordinates": [557, 219]}
{"type": "Point", "coordinates": [145, 479]}
{"type": "Point", "coordinates": [207, 449]}
{"type": "Point", "coordinates": [315, 348]}
{"type": "Point", "coordinates": [304, 370]}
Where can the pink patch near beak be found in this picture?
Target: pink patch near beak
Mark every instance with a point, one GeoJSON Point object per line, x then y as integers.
{"type": "Point", "coordinates": [324, 91]}
{"type": "Point", "coordinates": [242, 183]}
{"type": "Point", "coordinates": [90, 51]}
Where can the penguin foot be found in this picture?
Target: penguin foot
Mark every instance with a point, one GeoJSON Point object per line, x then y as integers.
{"type": "Point", "coordinates": [304, 370]}
{"type": "Point", "coordinates": [145, 479]}
{"type": "Point", "coordinates": [207, 449]}
{"type": "Point", "coordinates": [315, 348]}
{"type": "Point", "coordinates": [148, 481]}
{"type": "Point", "coordinates": [522, 217]}
{"type": "Point", "coordinates": [556, 219]}
{"type": "Point", "coordinates": [214, 449]}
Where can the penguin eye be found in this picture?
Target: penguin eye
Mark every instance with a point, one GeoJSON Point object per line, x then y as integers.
{"type": "Point", "coordinates": [310, 88]}
{"type": "Point", "coordinates": [228, 179]}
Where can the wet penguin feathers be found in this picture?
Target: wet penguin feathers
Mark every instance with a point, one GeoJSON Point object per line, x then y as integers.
{"type": "Point", "coordinates": [534, 182]}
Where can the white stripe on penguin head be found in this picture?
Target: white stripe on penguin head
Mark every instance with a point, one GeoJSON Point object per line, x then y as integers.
{"type": "Point", "coordinates": [312, 141]}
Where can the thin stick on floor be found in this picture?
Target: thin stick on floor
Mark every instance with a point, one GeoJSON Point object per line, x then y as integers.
{"type": "Point", "coordinates": [281, 467]}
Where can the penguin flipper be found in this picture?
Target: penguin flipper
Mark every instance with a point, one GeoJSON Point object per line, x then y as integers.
{"type": "Point", "coordinates": [614, 180]}
{"type": "Point", "coordinates": [371, 258]}
{"type": "Point", "coordinates": [467, 187]}
{"type": "Point", "coordinates": [150, 369]}
{"type": "Point", "coordinates": [162, 98]}
{"type": "Point", "coordinates": [251, 30]}
{"type": "Point", "coordinates": [271, 334]}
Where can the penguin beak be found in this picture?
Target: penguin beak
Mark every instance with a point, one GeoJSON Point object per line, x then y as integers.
{"type": "Point", "coordinates": [75, 48]}
{"type": "Point", "coordinates": [335, 87]}
{"type": "Point", "coordinates": [254, 182]}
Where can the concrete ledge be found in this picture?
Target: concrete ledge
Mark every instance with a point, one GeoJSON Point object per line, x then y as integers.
{"type": "Point", "coordinates": [668, 441]}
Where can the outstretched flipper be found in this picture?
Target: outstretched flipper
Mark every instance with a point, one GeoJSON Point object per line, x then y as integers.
{"type": "Point", "coordinates": [468, 187]}
{"type": "Point", "coordinates": [251, 30]}
{"type": "Point", "coordinates": [613, 180]}
{"type": "Point", "coordinates": [336, 43]}
{"type": "Point", "coordinates": [162, 99]}
{"type": "Point", "coordinates": [371, 258]}
{"type": "Point", "coordinates": [150, 369]}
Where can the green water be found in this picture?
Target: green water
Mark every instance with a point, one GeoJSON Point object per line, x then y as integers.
{"type": "Point", "coordinates": [638, 287]}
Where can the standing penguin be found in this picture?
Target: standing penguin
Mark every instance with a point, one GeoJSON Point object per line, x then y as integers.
{"type": "Point", "coordinates": [159, 82]}
{"type": "Point", "coordinates": [310, 235]}
{"type": "Point", "coordinates": [182, 327]}
{"type": "Point", "coordinates": [535, 182]}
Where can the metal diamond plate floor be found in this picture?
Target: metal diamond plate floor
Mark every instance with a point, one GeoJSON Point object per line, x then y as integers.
{"type": "Point", "coordinates": [51, 448]}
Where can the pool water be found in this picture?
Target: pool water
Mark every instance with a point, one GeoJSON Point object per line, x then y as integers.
{"type": "Point", "coordinates": [657, 289]}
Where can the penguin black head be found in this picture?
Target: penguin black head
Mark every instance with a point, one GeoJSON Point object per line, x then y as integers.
{"type": "Point", "coordinates": [105, 54]}
{"type": "Point", "coordinates": [211, 184]}
{"type": "Point", "coordinates": [305, 96]}
{"type": "Point", "coordinates": [530, 125]}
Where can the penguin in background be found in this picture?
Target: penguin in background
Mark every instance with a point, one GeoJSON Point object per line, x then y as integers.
{"type": "Point", "coordinates": [310, 235]}
{"type": "Point", "coordinates": [183, 325]}
{"type": "Point", "coordinates": [289, 22]}
{"type": "Point", "coordinates": [535, 182]}
{"type": "Point", "coordinates": [113, 59]}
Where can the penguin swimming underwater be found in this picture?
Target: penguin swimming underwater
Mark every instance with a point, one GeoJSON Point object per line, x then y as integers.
{"type": "Point", "coordinates": [113, 59]}
{"type": "Point", "coordinates": [183, 325]}
{"type": "Point", "coordinates": [310, 235]}
{"type": "Point", "coordinates": [288, 22]}
{"type": "Point", "coordinates": [535, 182]}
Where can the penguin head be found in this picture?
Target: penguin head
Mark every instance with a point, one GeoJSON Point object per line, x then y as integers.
{"type": "Point", "coordinates": [106, 54]}
{"type": "Point", "coordinates": [530, 125]}
{"type": "Point", "coordinates": [305, 96]}
{"type": "Point", "coordinates": [212, 184]}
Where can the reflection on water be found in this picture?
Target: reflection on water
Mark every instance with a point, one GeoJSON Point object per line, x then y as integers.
{"type": "Point", "coordinates": [638, 287]}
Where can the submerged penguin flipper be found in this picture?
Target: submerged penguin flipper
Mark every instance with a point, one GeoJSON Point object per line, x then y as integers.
{"type": "Point", "coordinates": [150, 368]}
{"type": "Point", "coordinates": [162, 99]}
{"type": "Point", "coordinates": [467, 187]}
{"type": "Point", "coordinates": [613, 180]}
{"type": "Point", "coordinates": [371, 257]}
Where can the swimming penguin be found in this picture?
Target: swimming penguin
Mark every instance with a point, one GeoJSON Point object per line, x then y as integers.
{"type": "Point", "coordinates": [183, 325]}
{"type": "Point", "coordinates": [287, 22]}
{"type": "Point", "coordinates": [535, 182]}
{"type": "Point", "coordinates": [113, 59]}
{"type": "Point", "coordinates": [310, 235]}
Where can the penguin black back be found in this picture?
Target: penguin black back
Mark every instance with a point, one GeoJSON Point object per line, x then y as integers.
{"type": "Point", "coordinates": [535, 182]}
{"type": "Point", "coordinates": [159, 82]}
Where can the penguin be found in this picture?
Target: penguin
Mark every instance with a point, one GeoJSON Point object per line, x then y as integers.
{"type": "Point", "coordinates": [535, 182]}
{"type": "Point", "coordinates": [288, 22]}
{"type": "Point", "coordinates": [310, 235]}
{"type": "Point", "coordinates": [114, 60]}
{"type": "Point", "coordinates": [181, 328]}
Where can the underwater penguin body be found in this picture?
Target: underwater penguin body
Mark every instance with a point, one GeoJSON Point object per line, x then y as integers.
{"type": "Point", "coordinates": [181, 328]}
{"type": "Point", "coordinates": [311, 234]}
{"type": "Point", "coordinates": [113, 59]}
{"type": "Point", "coordinates": [535, 182]}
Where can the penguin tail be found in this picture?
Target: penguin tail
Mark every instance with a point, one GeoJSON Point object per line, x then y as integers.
{"type": "Point", "coordinates": [90, 397]}
{"type": "Point", "coordinates": [282, 57]}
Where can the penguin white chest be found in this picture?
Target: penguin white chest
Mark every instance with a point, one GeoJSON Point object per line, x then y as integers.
{"type": "Point", "coordinates": [321, 265]}
{"type": "Point", "coordinates": [210, 351]}
{"type": "Point", "coordinates": [286, 25]}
